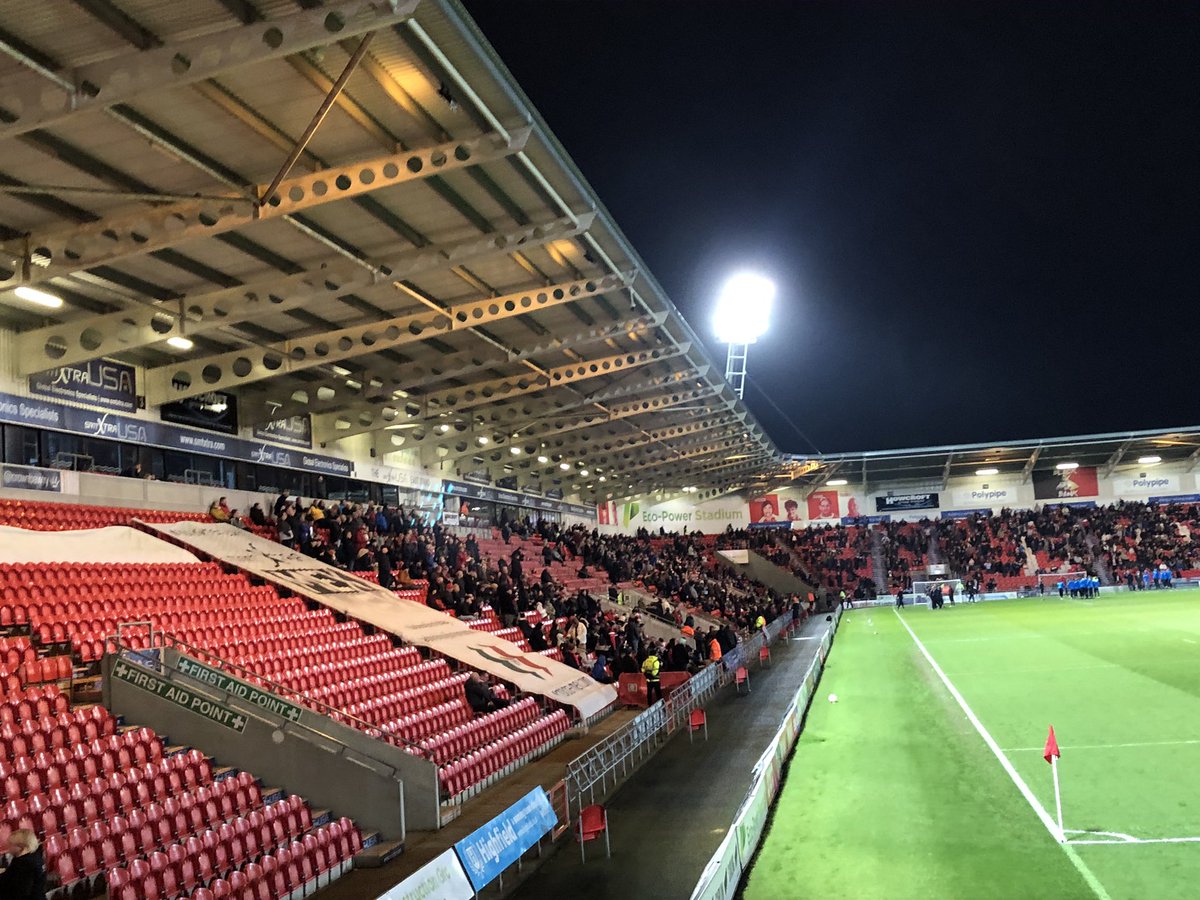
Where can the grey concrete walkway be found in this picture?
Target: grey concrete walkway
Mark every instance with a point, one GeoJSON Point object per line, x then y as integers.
{"type": "Point", "coordinates": [669, 818]}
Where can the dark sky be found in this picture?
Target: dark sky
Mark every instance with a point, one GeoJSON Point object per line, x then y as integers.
{"type": "Point", "coordinates": [984, 218]}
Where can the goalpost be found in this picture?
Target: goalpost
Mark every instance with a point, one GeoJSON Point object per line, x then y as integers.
{"type": "Point", "coordinates": [920, 589]}
{"type": "Point", "coordinates": [1050, 579]}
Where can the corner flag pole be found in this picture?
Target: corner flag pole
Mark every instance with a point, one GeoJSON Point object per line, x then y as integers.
{"type": "Point", "coordinates": [1051, 755]}
{"type": "Point", "coordinates": [1057, 799]}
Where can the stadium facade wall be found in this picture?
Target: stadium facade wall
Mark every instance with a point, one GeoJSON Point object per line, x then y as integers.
{"type": "Point", "coordinates": [833, 505]}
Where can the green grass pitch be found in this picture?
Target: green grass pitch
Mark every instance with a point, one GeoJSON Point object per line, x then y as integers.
{"type": "Point", "coordinates": [893, 792]}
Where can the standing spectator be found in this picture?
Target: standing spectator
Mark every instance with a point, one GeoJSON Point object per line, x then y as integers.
{"type": "Point", "coordinates": [651, 667]}
{"type": "Point", "coordinates": [25, 877]}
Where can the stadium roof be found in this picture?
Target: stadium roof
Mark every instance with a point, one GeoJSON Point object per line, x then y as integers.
{"type": "Point", "coordinates": [350, 210]}
{"type": "Point", "coordinates": [932, 467]}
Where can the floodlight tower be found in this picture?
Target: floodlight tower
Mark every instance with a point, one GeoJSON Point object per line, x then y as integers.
{"type": "Point", "coordinates": [742, 317]}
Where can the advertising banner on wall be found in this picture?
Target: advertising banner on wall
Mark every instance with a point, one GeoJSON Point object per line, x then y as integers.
{"type": "Point", "coordinates": [897, 502]}
{"type": "Point", "coordinates": [824, 505]}
{"type": "Point", "coordinates": [31, 478]}
{"type": "Point", "coordinates": [707, 517]}
{"type": "Point", "coordinates": [110, 426]}
{"type": "Point", "coordinates": [966, 513]}
{"type": "Point", "coordinates": [1066, 484]}
{"type": "Point", "coordinates": [294, 431]}
{"type": "Point", "coordinates": [1146, 483]}
{"type": "Point", "coordinates": [413, 479]}
{"type": "Point", "coordinates": [489, 850]}
{"type": "Point", "coordinates": [764, 509]}
{"type": "Point", "coordinates": [442, 878]}
{"type": "Point", "coordinates": [101, 383]}
{"type": "Point", "coordinates": [984, 494]}
{"type": "Point", "coordinates": [214, 411]}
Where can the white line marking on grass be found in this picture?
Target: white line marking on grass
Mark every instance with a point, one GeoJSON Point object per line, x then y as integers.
{"type": "Point", "coordinates": [1122, 838]}
{"type": "Point", "coordinates": [1105, 746]}
{"type": "Point", "coordinates": [1188, 641]}
{"type": "Point", "coordinates": [1080, 866]}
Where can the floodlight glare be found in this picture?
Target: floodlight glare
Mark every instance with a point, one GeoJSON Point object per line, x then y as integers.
{"type": "Point", "coordinates": [179, 342]}
{"type": "Point", "coordinates": [1149, 460]}
{"type": "Point", "coordinates": [836, 482]}
{"type": "Point", "coordinates": [987, 471]}
{"type": "Point", "coordinates": [744, 308]}
{"type": "Point", "coordinates": [1067, 466]}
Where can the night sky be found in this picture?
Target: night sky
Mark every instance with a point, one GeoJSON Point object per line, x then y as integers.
{"type": "Point", "coordinates": [984, 218]}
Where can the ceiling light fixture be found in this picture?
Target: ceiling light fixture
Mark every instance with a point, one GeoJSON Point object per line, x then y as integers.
{"type": "Point", "coordinates": [987, 471]}
{"type": "Point", "coordinates": [179, 342]}
{"type": "Point", "coordinates": [41, 298]}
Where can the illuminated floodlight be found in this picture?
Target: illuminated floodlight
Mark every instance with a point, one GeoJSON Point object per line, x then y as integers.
{"type": "Point", "coordinates": [1067, 466]}
{"type": "Point", "coordinates": [744, 308]}
{"type": "Point", "coordinates": [742, 317]}
{"type": "Point", "coordinates": [836, 482]}
{"type": "Point", "coordinates": [179, 342]}
{"type": "Point", "coordinates": [1149, 460]}
{"type": "Point", "coordinates": [986, 472]}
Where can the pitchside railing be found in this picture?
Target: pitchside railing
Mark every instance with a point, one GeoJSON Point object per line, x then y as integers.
{"type": "Point", "coordinates": [721, 876]}
{"type": "Point", "coordinates": [592, 776]}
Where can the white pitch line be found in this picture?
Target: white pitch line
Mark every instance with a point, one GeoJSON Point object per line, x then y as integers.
{"type": "Point", "coordinates": [1136, 841]}
{"type": "Point", "coordinates": [1188, 641]}
{"type": "Point", "coordinates": [1080, 866]}
{"type": "Point", "coordinates": [1106, 746]}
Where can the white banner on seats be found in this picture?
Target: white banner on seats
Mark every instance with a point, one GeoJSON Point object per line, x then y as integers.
{"type": "Point", "coordinates": [114, 544]}
{"type": "Point", "coordinates": [413, 622]}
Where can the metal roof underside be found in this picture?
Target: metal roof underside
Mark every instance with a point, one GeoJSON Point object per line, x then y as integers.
{"type": "Point", "coordinates": [352, 211]}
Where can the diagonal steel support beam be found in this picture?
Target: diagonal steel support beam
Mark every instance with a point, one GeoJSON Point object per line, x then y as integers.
{"type": "Point", "coordinates": [30, 103]}
{"type": "Point", "coordinates": [658, 404]}
{"type": "Point", "coordinates": [81, 339]}
{"type": "Point", "coordinates": [377, 388]}
{"type": "Point", "coordinates": [1115, 460]}
{"type": "Point", "coordinates": [239, 367]}
{"type": "Point", "coordinates": [946, 470]}
{"type": "Point", "coordinates": [1032, 461]}
{"type": "Point", "coordinates": [612, 444]}
{"type": "Point", "coordinates": [496, 389]}
{"type": "Point", "coordinates": [502, 423]}
{"type": "Point", "coordinates": [48, 254]}
{"type": "Point", "coordinates": [343, 426]}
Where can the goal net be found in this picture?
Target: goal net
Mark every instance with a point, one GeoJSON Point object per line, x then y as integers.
{"type": "Point", "coordinates": [920, 589]}
{"type": "Point", "coordinates": [1049, 580]}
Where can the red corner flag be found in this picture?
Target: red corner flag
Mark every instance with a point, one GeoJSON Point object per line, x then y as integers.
{"type": "Point", "coordinates": [1051, 750]}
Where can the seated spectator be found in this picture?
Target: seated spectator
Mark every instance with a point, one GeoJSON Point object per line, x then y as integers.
{"type": "Point", "coordinates": [481, 696]}
{"type": "Point", "coordinates": [600, 671]}
{"type": "Point", "coordinates": [220, 510]}
{"type": "Point", "coordinates": [257, 516]}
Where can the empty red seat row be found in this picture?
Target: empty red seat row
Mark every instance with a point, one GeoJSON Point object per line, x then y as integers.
{"type": "Point", "coordinates": [463, 738]}
{"type": "Point", "coordinates": [274, 874]}
{"type": "Point", "coordinates": [485, 762]}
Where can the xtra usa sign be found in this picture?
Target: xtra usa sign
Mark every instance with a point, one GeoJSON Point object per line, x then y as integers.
{"type": "Point", "coordinates": [98, 382]}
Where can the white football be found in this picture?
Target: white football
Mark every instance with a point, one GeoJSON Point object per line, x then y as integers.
{"type": "Point", "coordinates": [833, 698]}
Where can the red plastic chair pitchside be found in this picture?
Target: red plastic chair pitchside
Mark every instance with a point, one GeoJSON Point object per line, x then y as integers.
{"type": "Point", "coordinates": [593, 821]}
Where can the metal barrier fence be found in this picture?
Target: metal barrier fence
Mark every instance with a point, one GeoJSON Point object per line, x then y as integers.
{"type": "Point", "coordinates": [721, 876]}
{"type": "Point", "coordinates": [593, 775]}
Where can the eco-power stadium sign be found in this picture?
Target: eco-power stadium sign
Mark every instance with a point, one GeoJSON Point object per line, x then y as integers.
{"type": "Point", "coordinates": [413, 622]}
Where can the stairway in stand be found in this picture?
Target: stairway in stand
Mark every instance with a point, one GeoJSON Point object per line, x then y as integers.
{"type": "Point", "coordinates": [879, 570]}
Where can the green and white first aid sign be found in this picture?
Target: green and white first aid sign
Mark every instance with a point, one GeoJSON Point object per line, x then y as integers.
{"type": "Point", "coordinates": [226, 683]}
{"type": "Point", "coordinates": [141, 677]}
